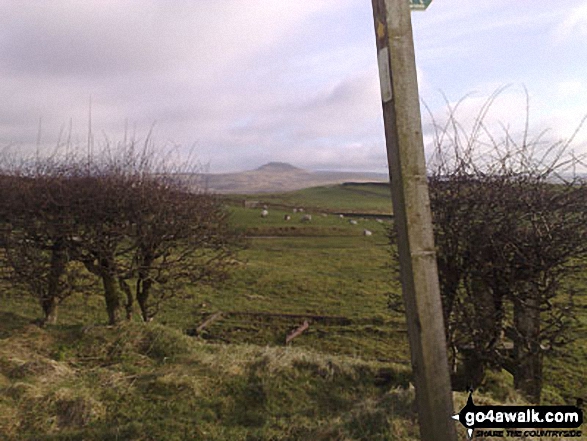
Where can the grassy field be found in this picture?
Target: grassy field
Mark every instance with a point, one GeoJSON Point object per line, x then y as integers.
{"type": "Point", "coordinates": [346, 198]}
{"type": "Point", "coordinates": [346, 377]}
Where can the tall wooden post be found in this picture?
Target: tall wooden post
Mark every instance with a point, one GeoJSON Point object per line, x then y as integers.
{"type": "Point", "coordinates": [411, 205]}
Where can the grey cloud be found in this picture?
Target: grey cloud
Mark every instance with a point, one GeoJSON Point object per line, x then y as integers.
{"type": "Point", "coordinates": [225, 75]}
{"type": "Point", "coordinates": [79, 39]}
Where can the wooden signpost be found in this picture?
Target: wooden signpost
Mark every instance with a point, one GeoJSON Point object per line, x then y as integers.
{"type": "Point", "coordinates": [411, 206]}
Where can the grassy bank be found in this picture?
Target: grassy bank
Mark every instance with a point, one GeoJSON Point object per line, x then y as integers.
{"type": "Point", "coordinates": [145, 382]}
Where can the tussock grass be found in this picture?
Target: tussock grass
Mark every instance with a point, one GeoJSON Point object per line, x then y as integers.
{"type": "Point", "coordinates": [137, 381]}
{"type": "Point", "coordinates": [141, 381]}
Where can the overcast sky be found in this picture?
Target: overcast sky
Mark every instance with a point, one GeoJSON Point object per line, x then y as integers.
{"type": "Point", "coordinates": [245, 82]}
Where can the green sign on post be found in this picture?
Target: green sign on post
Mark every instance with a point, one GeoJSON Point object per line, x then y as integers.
{"type": "Point", "coordinates": [419, 5]}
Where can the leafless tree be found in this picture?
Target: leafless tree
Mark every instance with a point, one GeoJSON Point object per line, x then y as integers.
{"type": "Point", "coordinates": [100, 201]}
{"type": "Point", "coordinates": [128, 216]}
{"type": "Point", "coordinates": [510, 226]}
{"type": "Point", "coordinates": [179, 238]}
{"type": "Point", "coordinates": [36, 231]}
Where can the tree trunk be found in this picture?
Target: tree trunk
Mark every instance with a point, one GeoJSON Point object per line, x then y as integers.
{"type": "Point", "coordinates": [527, 351]}
{"type": "Point", "coordinates": [144, 284]}
{"type": "Point", "coordinates": [449, 285]}
{"type": "Point", "coordinates": [49, 299]}
{"type": "Point", "coordinates": [487, 316]}
{"type": "Point", "coordinates": [143, 291]}
{"type": "Point", "coordinates": [49, 305]}
{"type": "Point", "coordinates": [488, 301]}
{"type": "Point", "coordinates": [128, 306]}
{"type": "Point", "coordinates": [470, 371]}
{"type": "Point", "coordinates": [111, 291]}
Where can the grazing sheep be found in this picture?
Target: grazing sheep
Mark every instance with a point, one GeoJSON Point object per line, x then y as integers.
{"type": "Point", "coordinates": [295, 210]}
{"type": "Point", "coordinates": [367, 233]}
{"type": "Point", "coordinates": [341, 216]}
{"type": "Point", "coordinates": [264, 213]}
{"type": "Point", "coordinates": [379, 221]}
{"type": "Point", "coordinates": [301, 210]}
{"type": "Point", "coordinates": [307, 218]}
{"type": "Point", "coordinates": [286, 217]}
{"type": "Point", "coordinates": [324, 215]}
{"type": "Point", "coordinates": [353, 222]}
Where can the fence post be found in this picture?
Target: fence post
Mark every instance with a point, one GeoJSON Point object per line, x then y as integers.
{"type": "Point", "coordinates": [411, 206]}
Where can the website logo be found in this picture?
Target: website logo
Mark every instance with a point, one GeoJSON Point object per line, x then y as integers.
{"type": "Point", "coordinates": [517, 420]}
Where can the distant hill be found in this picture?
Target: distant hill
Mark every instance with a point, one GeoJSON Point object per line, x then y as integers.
{"type": "Point", "coordinates": [278, 167]}
{"type": "Point", "coordinates": [281, 176]}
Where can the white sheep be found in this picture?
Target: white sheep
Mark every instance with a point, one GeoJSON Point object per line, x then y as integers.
{"type": "Point", "coordinates": [286, 217]}
{"type": "Point", "coordinates": [307, 218]}
{"type": "Point", "coordinates": [353, 222]}
{"type": "Point", "coordinates": [264, 213]}
{"type": "Point", "coordinates": [367, 233]}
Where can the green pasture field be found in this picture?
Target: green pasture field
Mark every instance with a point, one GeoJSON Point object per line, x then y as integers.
{"type": "Point", "coordinates": [322, 223]}
{"type": "Point", "coordinates": [345, 378]}
{"type": "Point", "coordinates": [347, 198]}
